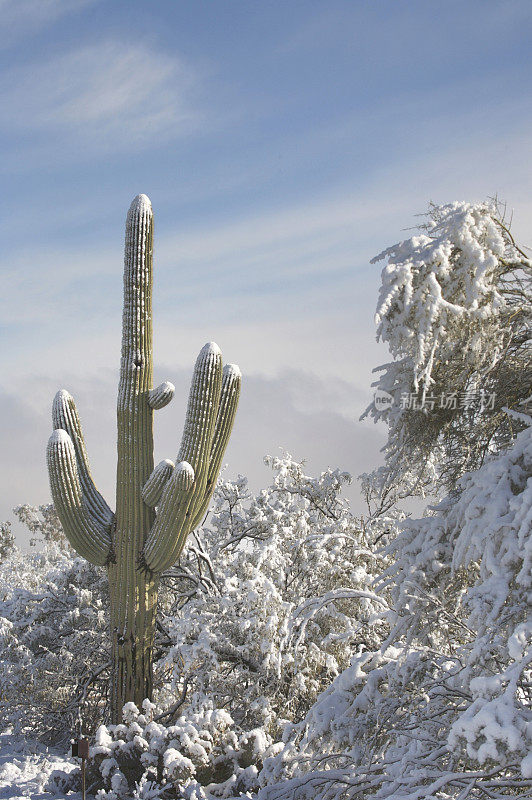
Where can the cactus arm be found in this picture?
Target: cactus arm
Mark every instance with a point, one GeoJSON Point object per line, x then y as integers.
{"type": "Point", "coordinates": [173, 506]}
{"type": "Point", "coordinates": [153, 488]}
{"type": "Point", "coordinates": [203, 403]}
{"type": "Point", "coordinates": [200, 421]}
{"type": "Point", "coordinates": [161, 395]}
{"type": "Point", "coordinates": [88, 537]}
{"type": "Point", "coordinates": [231, 383]}
{"type": "Point", "coordinates": [65, 416]}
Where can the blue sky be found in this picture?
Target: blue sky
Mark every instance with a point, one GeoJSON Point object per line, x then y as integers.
{"type": "Point", "coordinates": [282, 144]}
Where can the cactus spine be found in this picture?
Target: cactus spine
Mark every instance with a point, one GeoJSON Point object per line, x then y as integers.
{"type": "Point", "coordinates": [155, 508]}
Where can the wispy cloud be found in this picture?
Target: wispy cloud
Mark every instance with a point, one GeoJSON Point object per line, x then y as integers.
{"type": "Point", "coordinates": [101, 96]}
{"type": "Point", "coordinates": [267, 283]}
{"type": "Point", "coordinates": [21, 18]}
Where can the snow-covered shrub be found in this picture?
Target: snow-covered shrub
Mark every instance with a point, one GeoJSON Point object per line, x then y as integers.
{"type": "Point", "coordinates": [455, 311]}
{"type": "Point", "coordinates": [52, 627]}
{"type": "Point", "coordinates": [268, 604]}
{"type": "Point", "coordinates": [282, 600]}
{"type": "Point", "coordinates": [443, 708]}
{"type": "Point", "coordinates": [7, 541]}
{"type": "Point", "coordinates": [266, 607]}
{"type": "Point", "coordinates": [42, 521]}
{"type": "Point", "coordinates": [143, 757]}
{"type": "Point", "coordinates": [27, 768]}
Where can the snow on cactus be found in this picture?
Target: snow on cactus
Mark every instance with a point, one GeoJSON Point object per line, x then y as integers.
{"type": "Point", "coordinates": [138, 542]}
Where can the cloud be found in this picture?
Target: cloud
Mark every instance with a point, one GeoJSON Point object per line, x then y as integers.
{"type": "Point", "coordinates": [218, 271]}
{"type": "Point", "coordinates": [296, 237]}
{"type": "Point", "coordinates": [289, 286]}
{"type": "Point", "coordinates": [100, 97]}
{"type": "Point", "coordinates": [21, 18]}
{"type": "Point", "coordinates": [312, 418]}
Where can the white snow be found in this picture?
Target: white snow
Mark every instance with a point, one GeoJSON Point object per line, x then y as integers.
{"type": "Point", "coordinates": [140, 204]}
{"type": "Point", "coordinates": [59, 436]}
{"type": "Point", "coordinates": [185, 467]}
{"type": "Point", "coordinates": [26, 766]}
{"type": "Point", "coordinates": [232, 370]}
{"type": "Point", "coordinates": [210, 348]}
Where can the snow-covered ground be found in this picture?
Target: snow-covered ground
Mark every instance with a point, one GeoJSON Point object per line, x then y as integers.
{"type": "Point", "coordinates": [26, 767]}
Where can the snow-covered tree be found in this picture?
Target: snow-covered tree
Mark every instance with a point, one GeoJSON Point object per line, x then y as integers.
{"type": "Point", "coordinates": [442, 709]}
{"type": "Point", "coordinates": [53, 661]}
{"type": "Point", "coordinates": [285, 597]}
{"type": "Point", "coordinates": [268, 604]}
{"type": "Point", "coordinates": [44, 525]}
{"type": "Point", "coordinates": [7, 541]}
{"type": "Point", "coordinates": [455, 309]}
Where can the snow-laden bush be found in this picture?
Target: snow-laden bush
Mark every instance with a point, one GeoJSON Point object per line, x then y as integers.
{"type": "Point", "coordinates": [7, 541]}
{"type": "Point", "coordinates": [52, 630]}
{"type": "Point", "coordinates": [269, 605]}
{"type": "Point", "coordinates": [266, 607]}
{"type": "Point", "coordinates": [443, 708]}
{"type": "Point", "coordinates": [455, 311]}
{"type": "Point", "coordinates": [27, 767]}
{"type": "Point", "coordinates": [199, 753]}
{"type": "Point", "coordinates": [285, 599]}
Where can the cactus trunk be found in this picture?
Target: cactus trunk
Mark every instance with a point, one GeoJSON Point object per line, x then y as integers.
{"type": "Point", "coordinates": [133, 594]}
{"type": "Point", "coordinates": [139, 541]}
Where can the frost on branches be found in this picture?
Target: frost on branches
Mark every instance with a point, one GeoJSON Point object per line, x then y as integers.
{"type": "Point", "coordinates": [454, 309]}
{"type": "Point", "coordinates": [7, 541]}
{"type": "Point", "coordinates": [267, 605]}
{"type": "Point", "coordinates": [442, 709]}
{"type": "Point", "coordinates": [294, 662]}
{"type": "Point", "coordinates": [52, 627]}
{"type": "Point", "coordinates": [286, 596]}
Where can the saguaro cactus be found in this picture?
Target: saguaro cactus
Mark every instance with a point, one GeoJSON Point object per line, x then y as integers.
{"type": "Point", "coordinates": [155, 508]}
